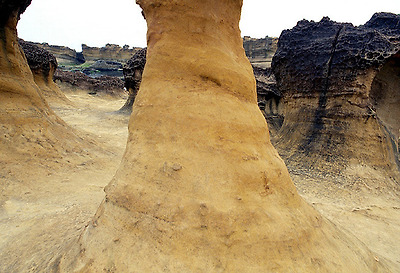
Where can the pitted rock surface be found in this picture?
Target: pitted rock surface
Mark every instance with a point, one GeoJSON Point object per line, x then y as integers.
{"type": "Point", "coordinates": [38, 58]}
{"type": "Point", "coordinates": [340, 86]}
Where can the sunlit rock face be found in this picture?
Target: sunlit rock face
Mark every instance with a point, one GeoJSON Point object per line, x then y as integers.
{"type": "Point", "coordinates": [27, 125]}
{"type": "Point", "coordinates": [340, 85]}
{"type": "Point", "coordinates": [200, 187]}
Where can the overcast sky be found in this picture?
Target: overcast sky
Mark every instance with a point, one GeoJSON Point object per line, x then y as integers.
{"type": "Point", "coordinates": [98, 22]}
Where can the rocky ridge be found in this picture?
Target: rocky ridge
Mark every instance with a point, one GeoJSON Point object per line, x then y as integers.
{"type": "Point", "coordinates": [78, 81]}
{"type": "Point", "coordinates": [64, 55]}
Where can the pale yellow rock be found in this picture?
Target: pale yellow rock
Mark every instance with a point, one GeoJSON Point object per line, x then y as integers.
{"type": "Point", "coordinates": [28, 127]}
{"type": "Point", "coordinates": [200, 187]}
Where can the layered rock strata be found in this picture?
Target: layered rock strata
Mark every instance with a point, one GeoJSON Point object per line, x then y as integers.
{"type": "Point", "coordinates": [133, 71]}
{"type": "Point", "coordinates": [64, 55]}
{"type": "Point", "coordinates": [340, 85]}
{"type": "Point", "coordinates": [28, 127]}
{"type": "Point", "coordinates": [200, 187]}
{"type": "Point", "coordinates": [260, 51]}
{"type": "Point", "coordinates": [43, 65]}
{"type": "Point", "coordinates": [110, 52]}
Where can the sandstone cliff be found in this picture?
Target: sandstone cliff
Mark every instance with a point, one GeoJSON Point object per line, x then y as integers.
{"type": "Point", "coordinates": [109, 52]}
{"type": "Point", "coordinates": [200, 187]}
{"type": "Point", "coordinates": [341, 85]}
{"type": "Point", "coordinates": [260, 51]}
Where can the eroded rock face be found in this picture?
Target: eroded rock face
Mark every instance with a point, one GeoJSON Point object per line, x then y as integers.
{"type": "Point", "coordinates": [336, 80]}
{"type": "Point", "coordinates": [200, 187]}
{"type": "Point", "coordinates": [28, 126]}
{"type": "Point", "coordinates": [133, 71]}
{"type": "Point", "coordinates": [43, 64]}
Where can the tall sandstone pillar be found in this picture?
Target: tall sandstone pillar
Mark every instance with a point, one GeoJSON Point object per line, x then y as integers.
{"type": "Point", "coordinates": [200, 187]}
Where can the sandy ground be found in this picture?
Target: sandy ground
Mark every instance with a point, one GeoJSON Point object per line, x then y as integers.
{"type": "Point", "coordinates": [42, 211]}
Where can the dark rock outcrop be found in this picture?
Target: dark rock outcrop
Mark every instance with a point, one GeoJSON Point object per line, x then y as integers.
{"type": "Point", "coordinates": [269, 98]}
{"type": "Point", "coordinates": [340, 85]}
{"type": "Point", "coordinates": [38, 58]}
{"type": "Point", "coordinates": [133, 77]}
{"type": "Point", "coordinates": [43, 64]}
{"type": "Point", "coordinates": [79, 81]}
{"type": "Point", "coordinates": [9, 7]}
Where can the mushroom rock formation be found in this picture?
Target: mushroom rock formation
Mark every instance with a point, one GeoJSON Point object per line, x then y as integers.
{"type": "Point", "coordinates": [200, 187]}
{"type": "Point", "coordinates": [133, 71]}
{"type": "Point", "coordinates": [28, 125]}
{"type": "Point", "coordinates": [340, 85]}
{"type": "Point", "coordinates": [43, 65]}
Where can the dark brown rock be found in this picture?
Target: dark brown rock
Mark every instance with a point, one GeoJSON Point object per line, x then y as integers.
{"type": "Point", "coordinates": [38, 59]}
{"type": "Point", "coordinates": [133, 76]}
{"type": "Point", "coordinates": [79, 81]}
{"type": "Point", "coordinates": [8, 7]}
{"type": "Point", "coordinates": [43, 65]}
{"type": "Point", "coordinates": [332, 77]}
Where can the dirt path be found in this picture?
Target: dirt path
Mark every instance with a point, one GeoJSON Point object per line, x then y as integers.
{"type": "Point", "coordinates": [44, 210]}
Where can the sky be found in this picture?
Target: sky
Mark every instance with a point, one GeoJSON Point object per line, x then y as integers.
{"type": "Point", "coordinates": [98, 22]}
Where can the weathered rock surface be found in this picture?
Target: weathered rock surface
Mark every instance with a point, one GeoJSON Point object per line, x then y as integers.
{"type": "Point", "coordinates": [200, 187]}
{"type": "Point", "coordinates": [133, 71]}
{"type": "Point", "coordinates": [29, 128]}
{"type": "Point", "coordinates": [43, 64]}
{"type": "Point", "coordinates": [260, 51]}
{"type": "Point", "coordinates": [75, 81]}
{"type": "Point", "coordinates": [340, 85]}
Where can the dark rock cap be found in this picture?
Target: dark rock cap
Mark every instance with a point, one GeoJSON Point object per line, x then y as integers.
{"type": "Point", "coordinates": [137, 62]}
{"type": "Point", "coordinates": [38, 58]}
{"type": "Point", "coordinates": [9, 6]}
{"type": "Point", "coordinates": [312, 55]}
